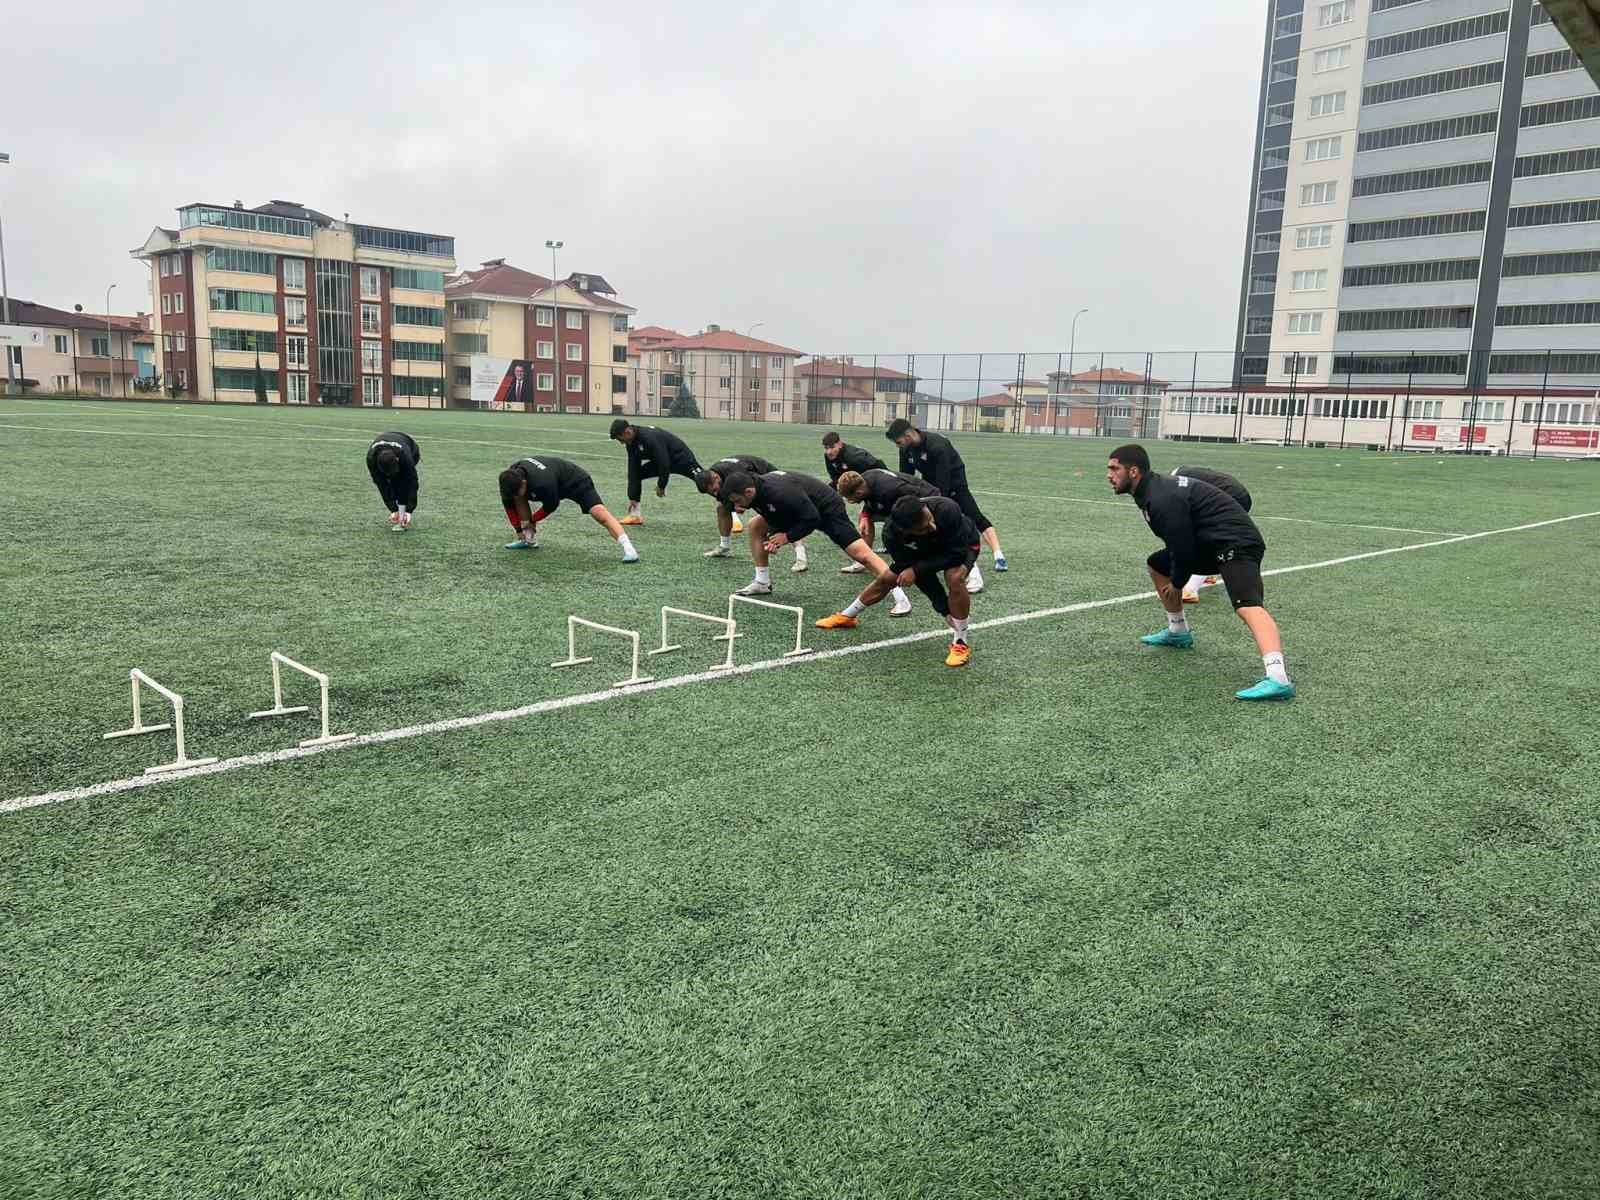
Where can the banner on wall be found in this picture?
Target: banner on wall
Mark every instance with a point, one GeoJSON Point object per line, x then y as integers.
{"type": "Point", "coordinates": [1575, 439]}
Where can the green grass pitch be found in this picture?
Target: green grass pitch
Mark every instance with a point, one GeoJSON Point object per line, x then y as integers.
{"type": "Point", "coordinates": [1068, 922]}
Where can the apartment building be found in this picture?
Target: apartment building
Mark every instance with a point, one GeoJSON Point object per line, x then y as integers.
{"type": "Point", "coordinates": [730, 376]}
{"type": "Point", "coordinates": [80, 353]}
{"type": "Point", "coordinates": [1425, 201]}
{"type": "Point", "coordinates": [287, 301]}
{"type": "Point", "coordinates": [570, 338]}
{"type": "Point", "coordinates": [849, 392]}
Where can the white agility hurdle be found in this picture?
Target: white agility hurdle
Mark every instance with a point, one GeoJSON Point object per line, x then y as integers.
{"type": "Point", "coordinates": [136, 677]}
{"type": "Point", "coordinates": [278, 709]}
{"type": "Point", "coordinates": [730, 631]}
{"type": "Point", "coordinates": [799, 619]}
{"type": "Point", "coordinates": [573, 660]}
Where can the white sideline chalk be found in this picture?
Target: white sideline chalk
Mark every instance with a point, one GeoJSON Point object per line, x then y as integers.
{"type": "Point", "coordinates": [279, 710]}
{"type": "Point", "coordinates": [573, 660]}
{"type": "Point", "coordinates": [730, 631]}
{"type": "Point", "coordinates": [799, 619]}
{"type": "Point", "coordinates": [135, 678]}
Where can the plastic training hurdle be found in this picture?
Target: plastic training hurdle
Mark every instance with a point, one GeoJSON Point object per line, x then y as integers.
{"type": "Point", "coordinates": [730, 631]}
{"type": "Point", "coordinates": [799, 620]}
{"type": "Point", "coordinates": [137, 677]}
{"type": "Point", "coordinates": [278, 709]}
{"type": "Point", "coordinates": [573, 660]}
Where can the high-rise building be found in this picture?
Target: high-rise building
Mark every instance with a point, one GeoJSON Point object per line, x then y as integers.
{"type": "Point", "coordinates": [1425, 199]}
{"type": "Point", "coordinates": [289, 302]}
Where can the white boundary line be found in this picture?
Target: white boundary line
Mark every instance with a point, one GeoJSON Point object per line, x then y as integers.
{"type": "Point", "coordinates": [1254, 516]}
{"type": "Point", "coordinates": [135, 782]}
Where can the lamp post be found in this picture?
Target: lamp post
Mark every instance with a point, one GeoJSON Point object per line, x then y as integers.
{"type": "Point", "coordinates": [1072, 345]}
{"type": "Point", "coordinates": [555, 334]}
{"type": "Point", "coordinates": [753, 328]}
{"type": "Point", "coordinates": [5, 304]}
{"type": "Point", "coordinates": [111, 375]}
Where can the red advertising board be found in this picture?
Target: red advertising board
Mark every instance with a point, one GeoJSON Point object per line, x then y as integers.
{"type": "Point", "coordinates": [1480, 433]}
{"type": "Point", "coordinates": [1424, 433]}
{"type": "Point", "coordinates": [1581, 439]}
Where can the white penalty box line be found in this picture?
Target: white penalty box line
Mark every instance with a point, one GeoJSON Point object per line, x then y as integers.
{"type": "Point", "coordinates": [560, 703]}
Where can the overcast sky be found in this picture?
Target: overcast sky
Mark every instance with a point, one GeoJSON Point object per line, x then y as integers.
{"type": "Point", "coordinates": [859, 177]}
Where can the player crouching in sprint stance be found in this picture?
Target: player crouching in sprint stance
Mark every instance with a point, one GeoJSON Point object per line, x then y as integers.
{"type": "Point", "coordinates": [1204, 529]}
{"type": "Point", "coordinates": [532, 488]}
{"type": "Point", "coordinates": [927, 536]}
{"type": "Point", "coordinates": [728, 523]}
{"type": "Point", "coordinates": [788, 507]}
{"type": "Point", "coordinates": [651, 451]}
{"type": "Point", "coordinates": [392, 462]}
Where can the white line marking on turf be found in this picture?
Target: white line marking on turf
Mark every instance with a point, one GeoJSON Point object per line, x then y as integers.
{"type": "Point", "coordinates": [268, 757]}
{"type": "Point", "coordinates": [1255, 516]}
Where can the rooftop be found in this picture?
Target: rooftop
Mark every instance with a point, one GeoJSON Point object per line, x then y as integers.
{"type": "Point", "coordinates": [848, 369]}
{"type": "Point", "coordinates": [26, 312]}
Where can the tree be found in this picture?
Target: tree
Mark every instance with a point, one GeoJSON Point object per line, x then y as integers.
{"type": "Point", "coordinates": [683, 405]}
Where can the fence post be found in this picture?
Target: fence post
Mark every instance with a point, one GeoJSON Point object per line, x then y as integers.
{"type": "Point", "coordinates": [1344, 421]}
{"type": "Point", "coordinates": [1194, 379]}
{"type": "Point", "coordinates": [1538, 415]}
{"type": "Point", "coordinates": [1411, 374]}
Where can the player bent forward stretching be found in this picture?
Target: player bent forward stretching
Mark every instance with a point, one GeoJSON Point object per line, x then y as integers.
{"type": "Point", "coordinates": [532, 488]}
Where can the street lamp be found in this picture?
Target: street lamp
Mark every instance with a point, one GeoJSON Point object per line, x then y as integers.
{"type": "Point", "coordinates": [555, 333]}
{"type": "Point", "coordinates": [1072, 345]}
{"type": "Point", "coordinates": [753, 328]}
{"type": "Point", "coordinates": [5, 305]}
{"type": "Point", "coordinates": [111, 375]}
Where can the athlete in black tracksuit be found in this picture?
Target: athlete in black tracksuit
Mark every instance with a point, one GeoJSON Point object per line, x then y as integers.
{"type": "Point", "coordinates": [1218, 479]}
{"type": "Point", "coordinates": [652, 451]}
{"type": "Point", "coordinates": [952, 542]}
{"type": "Point", "coordinates": [840, 456]}
{"type": "Point", "coordinates": [882, 487]}
{"type": "Point", "coordinates": [1205, 530]}
{"type": "Point", "coordinates": [398, 486]}
{"type": "Point", "coordinates": [531, 489]}
{"type": "Point", "coordinates": [710, 482]}
{"type": "Point", "coordinates": [789, 507]}
{"type": "Point", "coordinates": [934, 457]}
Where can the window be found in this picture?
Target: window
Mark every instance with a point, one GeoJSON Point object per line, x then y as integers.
{"type": "Point", "coordinates": [1416, 181]}
{"type": "Point", "coordinates": [545, 383]}
{"type": "Point", "coordinates": [574, 352]}
{"type": "Point", "coordinates": [1329, 104]}
{"type": "Point", "coordinates": [1319, 193]}
{"type": "Point", "coordinates": [1287, 26]}
{"type": "Point", "coordinates": [1273, 157]}
{"type": "Point", "coordinates": [1483, 410]}
{"type": "Point", "coordinates": [1410, 227]}
{"type": "Point", "coordinates": [1260, 323]}
{"type": "Point", "coordinates": [63, 383]}
{"type": "Point", "coordinates": [1440, 35]}
{"type": "Point", "coordinates": [1580, 313]}
{"type": "Point", "coordinates": [1379, 6]}
{"type": "Point", "coordinates": [183, 343]}
{"type": "Point", "coordinates": [725, 382]}
{"type": "Point", "coordinates": [294, 312]}
{"type": "Point", "coordinates": [294, 273]}
{"type": "Point", "coordinates": [294, 352]}
{"type": "Point", "coordinates": [1331, 59]}
{"type": "Point", "coordinates": [14, 353]}
{"type": "Point", "coordinates": [371, 287]}
{"type": "Point", "coordinates": [242, 379]}
{"type": "Point", "coordinates": [1268, 243]}
{"type": "Point", "coordinates": [1263, 284]}
{"type": "Point", "coordinates": [619, 353]}
{"type": "Point", "coordinates": [463, 376]}
{"type": "Point", "coordinates": [1424, 408]}
{"type": "Point", "coordinates": [183, 379]}
{"type": "Point", "coordinates": [1556, 112]}
{"type": "Point", "coordinates": [372, 356]}
{"type": "Point", "coordinates": [1336, 13]}
{"type": "Point", "coordinates": [1281, 114]}
{"type": "Point", "coordinates": [250, 262]}
{"type": "Point", "coordinates": [371, 391]}
{"type": "Point", "coordinates": [1270, 201]}
{"type": "Point", "coordinates": [58, 342]}
{"type": "Point", "coordinates": [619, 385]}
{"type": "Point", "coordinates": [234, 218]}
{"type": "Point", "coordinates": [1569, 212]}
{"type": "Point", "coordinates": [753, 408]}
{"type": "Point", "coordinates": [371, 318]}
{"type": "Point", "coordinates": [1313, 237]}
{"type": "Point", "coordinates": [755, 361]}
{"type": "Point", "coordinates": [1299, 364]}
{"type": "Point", "coordinates": [177, 264]}
{"type": "Point", "coordinates": [1305, 322]}
{"type": "Point", "coordinates": [177, 302]}
{"type": "Point", "coordinates": [415, 314]}
{"type": "Point", "coordinates": [775, 385]}
{"type": "Point", "coordinates": [1308, 281]}
{"type": "Point", "coordinates": [468, 343]}
{"type": "Point", "coordinates": [1559, 162]}
{"type": "Point", "coordinates": [244, 339]}
{"type": "Point", "coordinates": [1378, 320]}
{"type": "Point", "coordinates": [1571, 262]}
{"type": "Point", "coordinates": [574, 320]}
{"type": "Point", "coordinates": [166, 267]}
{"type": "Point", "coordinates": [166, 305]}
{"type": "Point", "coordinates": [543, 316]}
{"type": "Point", "coordinates": [727, 360]}
{"type": "Point", "coordinates": [1471, 125]}
{"type": "Point", "coordinates": [775, 361]}
{"type": "Point", "coordinates": [1479, 75]}
{"type": "Point", "coordinates": [1553, 62]}
{"type": "Point", "coordinates": [419, 280]}
{"type": "Point", "coordinates": [619, 323]}
{"type": "Point", "coordinates": [1400, 364]}
{"type": "Point", "coordinates": [755, 385]}
{"type": "Point", "coordinates": [405, 241]}
{"type": "Point", "coordinates": [99, 346]}
{"type": "Point", "coordinates": [574, 383]}
{"type": "Point", "coordinates": [417, 385]}
{"type": "Point", "coordinates": [1535, 364]}
{"type": "Point", "coordinates": [229, 300]}
{"type": "Point", "coordinates": [544, 350]}
{"type": "Point", "coordinates": [1323, 149]}
{"type": "Point", "coordinates": [470, 310]}
{"type": "Point", "coordinates": [1438, 271]}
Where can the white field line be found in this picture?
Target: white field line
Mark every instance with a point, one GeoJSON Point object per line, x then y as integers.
{"type": "Point", "coordinates": [1254, 516]}
{"type": "Point", "coordinates": [268, 757]}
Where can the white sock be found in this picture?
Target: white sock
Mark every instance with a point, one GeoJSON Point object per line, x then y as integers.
{"type": "Point", "coordinates": [633, 506]}
{"type": "Point", "coordinates": [960, 627]}
{"type": "Point", "coordinates": [800, 551]}
{"type": "Point", "coordinates": [975, 576]}
{"type": "Point", "coordinates": [899, 596]}
{"type": "Point", "coordinates": [1177, 622]}
{"type": "Point", "coordinates": [725, 543]}
{"type": "Point", "coordinates": [626, 544]}
{"type": "Point", "coordinates": [763, 575]}
{"type": "Point", "coordinates": [1274, 664]}
{"type": "Point", "coordinates": [854, 608]}
{"type": "Point", "coordinates": [999, 553]}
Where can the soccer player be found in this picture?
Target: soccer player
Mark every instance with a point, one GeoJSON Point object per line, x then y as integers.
{"type": "Point", "coordinates": [392, 462]}
{"type": "Point", "coordinates": [789, 506]}
{"type": "Point", "coordinates": [927, 536]}
{"type": "Point", "coordinates": [932, 455]}
{"type": "Point", "coordinates": [1204, 528]}
{"type": "Point", "coordinates": [656, 451]}
{"type": "Point", "coordinates": [531, 489]}
{"type": "Point", "coordinates": [1217, 479]}
{"type": "Point", "coordinates": [840, 456]}
{"type": "Point", "coordinates": [877, 491]}
{"type": "Point", "coordinates": [728, 523]}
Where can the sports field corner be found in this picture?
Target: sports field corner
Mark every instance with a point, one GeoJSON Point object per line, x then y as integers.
{"type": "Point", "coordinates": [1068, 921]}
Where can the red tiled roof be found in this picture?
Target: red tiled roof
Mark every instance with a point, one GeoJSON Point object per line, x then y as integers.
{"type": "Point", "coordinates": [724, 339]}
{"type": "Point", "coordinates": [838, 367]}
{"type": "Point", "coordinates": [999, 400]}
{"type": "Point", "coordinates": [498, 279]}
{"type": "Point", "coordinates": [25, 312]}
{"type": "Point", "coordinates": [653, 331]}
{"type": "Point", "coordinates": [1108, 375]}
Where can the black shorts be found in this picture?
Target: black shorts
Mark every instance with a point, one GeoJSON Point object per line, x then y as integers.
{"type": "Point", "coordinates": [581, 491]}
{"type": "Point", "coordinates": [836, 523]}
{"type": "Point", "coordinates": [1239, 566]}
{"type": "Point", "coordinates": [966, 557]}
{"type": "Point", "coordinates": [962, 495]}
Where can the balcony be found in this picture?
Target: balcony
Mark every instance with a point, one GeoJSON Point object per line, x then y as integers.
{"type": "Point", "coordinates": [88, 364]}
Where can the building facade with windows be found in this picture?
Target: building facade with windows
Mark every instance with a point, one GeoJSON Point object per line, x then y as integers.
{"type": "Point", "coordinates": [286, 301]}
{"type": "Point", "coordinates": [848, 391]}
{"type": "Point", "coordinates": [82, 353]}
{"type": "Point", "coordinates": [1425, 204]}
{"type": "Point", "coordinates": [731, 377]}
{"type": "Point", "coordinates": [573, 335]}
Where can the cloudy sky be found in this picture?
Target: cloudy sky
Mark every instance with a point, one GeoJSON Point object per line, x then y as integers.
{"type": "Point", "coordinates": [861, 177]}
